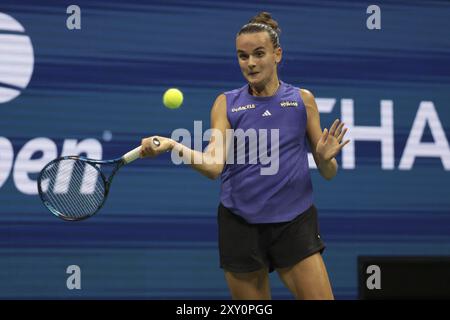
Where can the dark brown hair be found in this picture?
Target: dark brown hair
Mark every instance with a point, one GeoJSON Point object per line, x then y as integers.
{"type": "Point", "coordinates": [263, 22]}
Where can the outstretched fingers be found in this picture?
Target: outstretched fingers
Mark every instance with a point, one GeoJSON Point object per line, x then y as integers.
{"type": "Point", "coordinates": [341, 135]}
{"type": "Point", "coordinates": [339, 129]}
{"type": "Point", "coordinates": [343, 145]}
{"type": "Point", "coordinates": [334, 126]}
{"type": "Point", "coordinates": [324, 135]}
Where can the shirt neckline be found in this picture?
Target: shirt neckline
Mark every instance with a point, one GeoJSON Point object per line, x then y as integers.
{"type": "Point", "coordinates": [277, 93]}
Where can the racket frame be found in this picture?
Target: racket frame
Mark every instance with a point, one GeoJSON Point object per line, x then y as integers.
{"type": "Point", "coordinates": [118, 163]}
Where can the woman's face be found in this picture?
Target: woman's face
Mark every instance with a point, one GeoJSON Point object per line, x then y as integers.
{"type": "Point", "coordinates": [257, 57]}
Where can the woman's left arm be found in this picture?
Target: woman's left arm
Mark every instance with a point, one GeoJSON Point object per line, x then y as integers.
{"type": "Point", "coordinates": [326, 144]}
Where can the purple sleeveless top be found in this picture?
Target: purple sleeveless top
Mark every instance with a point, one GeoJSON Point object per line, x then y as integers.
{"type": "Point", "coordinates": [268, 198]}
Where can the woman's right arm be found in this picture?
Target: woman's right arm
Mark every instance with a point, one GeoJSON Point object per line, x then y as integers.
{"type": "Point", "coordinates": [210, 163]}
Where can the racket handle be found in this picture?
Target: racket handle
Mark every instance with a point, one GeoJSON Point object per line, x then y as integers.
{"type": "Point", "coordinates": [131, 155]}
{"type": "Point", "coordinates": [135, 153]}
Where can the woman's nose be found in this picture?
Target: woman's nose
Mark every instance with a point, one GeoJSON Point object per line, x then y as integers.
{"type": "Point", "coordinates": [251, 62]}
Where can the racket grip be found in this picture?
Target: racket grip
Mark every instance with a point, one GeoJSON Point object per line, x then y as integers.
{"type": "Point", "coordinates": [135, 153]}
{"type": "Point", "coordinates": [132, 155]}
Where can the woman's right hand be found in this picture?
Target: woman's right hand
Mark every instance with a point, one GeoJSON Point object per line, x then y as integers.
{"type": "Point", "coordinates": [150, 149]}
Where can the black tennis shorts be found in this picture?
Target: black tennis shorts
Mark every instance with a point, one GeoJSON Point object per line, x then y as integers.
{"type": "Point", "coordinates": [246, 247]}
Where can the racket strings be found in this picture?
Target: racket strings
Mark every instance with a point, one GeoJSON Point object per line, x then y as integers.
{"type": "Point", "coordinates": [73, 188]}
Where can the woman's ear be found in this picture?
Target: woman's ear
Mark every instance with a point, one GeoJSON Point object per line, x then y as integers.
{"type": "Point", "coordinates": [278, 55]}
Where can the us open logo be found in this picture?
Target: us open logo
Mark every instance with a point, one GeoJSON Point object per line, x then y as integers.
{"type": "Point", "coordinates": [16, 58]}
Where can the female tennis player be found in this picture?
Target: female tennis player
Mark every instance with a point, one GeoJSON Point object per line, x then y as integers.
{"type": "Point", "coordinates": [267, 222]}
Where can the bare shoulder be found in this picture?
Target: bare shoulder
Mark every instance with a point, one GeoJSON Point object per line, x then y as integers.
{"type": "Point", "coordinates": [309, 101]}
{"type": "Point", "coordinates": [220, 104]}
{"type": "Point", "coordinates": [307, 97]}
{"type": "Point", "coordinates": [221, 99]}
{"type": "Point", "coordinates": [219, 112]}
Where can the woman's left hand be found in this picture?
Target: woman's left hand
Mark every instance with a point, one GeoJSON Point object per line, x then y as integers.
{"type": "Point", "coordinates": [329, 144]}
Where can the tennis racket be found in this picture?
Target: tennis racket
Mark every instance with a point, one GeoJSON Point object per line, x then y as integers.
{"type": "Point", "coordinates": [75, 188]}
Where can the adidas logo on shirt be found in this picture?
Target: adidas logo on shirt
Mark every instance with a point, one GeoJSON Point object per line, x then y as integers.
{"type": "Point", "coordinates": [266, 113]}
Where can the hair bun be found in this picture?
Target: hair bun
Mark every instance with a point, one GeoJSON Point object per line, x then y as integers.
{"type": "Point", "coordinates": [266, 18]}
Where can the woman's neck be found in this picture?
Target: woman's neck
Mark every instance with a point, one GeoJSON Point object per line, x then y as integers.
{"type": "Point", "coordinates": [266, 90]}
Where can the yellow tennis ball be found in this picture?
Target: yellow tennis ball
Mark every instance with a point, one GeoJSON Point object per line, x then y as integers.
{"type": "Point", "coordinates": [173, 98]}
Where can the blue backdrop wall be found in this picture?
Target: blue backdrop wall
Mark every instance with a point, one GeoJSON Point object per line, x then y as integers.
{"type": "Point", "coordinates": [101, 87]}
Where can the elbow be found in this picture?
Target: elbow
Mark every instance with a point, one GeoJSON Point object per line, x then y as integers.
{"type": "Point", "coordinates": [330, 175]}
{"type": "Point", "coordinates": [214, 173]}
{"type": "Point", "coordinates": [210, 174]}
